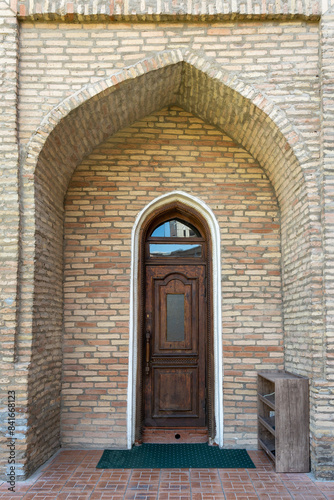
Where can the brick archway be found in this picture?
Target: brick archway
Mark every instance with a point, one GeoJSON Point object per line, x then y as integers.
{"type": "Point", "coordinates": [83, 121]}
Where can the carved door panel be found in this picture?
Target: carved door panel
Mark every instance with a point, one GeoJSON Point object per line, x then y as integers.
{"type": "Point", "coordinates": [175, 373]}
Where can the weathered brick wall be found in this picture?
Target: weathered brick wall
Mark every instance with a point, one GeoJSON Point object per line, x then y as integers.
{"type": "Point", "coordinates": [278, 59]}
{"type": "Point", "coordinates": [170, 10]}
{"type": "Point", "coordinates": [254, 76]}
{"type": "Point", "coordinates": [161, 153]}
{"type": "Point", "coordinates": [322, 394]}
{"type": "Point", "coordinates": [9, 231]}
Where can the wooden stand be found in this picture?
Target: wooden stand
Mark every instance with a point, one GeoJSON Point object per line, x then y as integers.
{"type": "Point", "coordinates": [283, 419]}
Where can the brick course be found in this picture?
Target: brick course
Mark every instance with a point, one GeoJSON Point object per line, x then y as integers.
{"type": "Point", "coordinates": [169, 10]}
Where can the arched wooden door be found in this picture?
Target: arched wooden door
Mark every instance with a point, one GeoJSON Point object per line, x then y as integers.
{"type": "Point", "coordinates": [176, 326]}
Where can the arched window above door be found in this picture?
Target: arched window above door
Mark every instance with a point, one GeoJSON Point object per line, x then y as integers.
{"type": "Point", "coordinates": [175, 228]}
{"type": "Point", "coordinates": [175, 238]}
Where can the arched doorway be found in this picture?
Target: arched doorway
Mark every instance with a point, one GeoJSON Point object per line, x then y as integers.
{"type": "Point", "coordinates": [160, 283]}
{"type": "Point", "coordinates": [176, 368]}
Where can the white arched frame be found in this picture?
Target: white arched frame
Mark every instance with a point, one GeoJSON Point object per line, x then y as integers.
{"type": "Point", "coordinates": [211, 220]}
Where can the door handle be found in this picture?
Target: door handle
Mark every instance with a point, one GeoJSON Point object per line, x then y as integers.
{"type": "Point", "coordinates": [147, 359]}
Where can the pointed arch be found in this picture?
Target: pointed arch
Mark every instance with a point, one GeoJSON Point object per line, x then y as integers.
{"type": "Point", "coordinates": [88, 117]}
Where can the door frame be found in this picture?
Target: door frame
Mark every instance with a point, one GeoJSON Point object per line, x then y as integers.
{"type": "Point", "coordinates": [185, 203]}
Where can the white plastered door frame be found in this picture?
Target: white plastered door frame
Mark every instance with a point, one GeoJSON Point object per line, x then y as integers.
{"type": "Point", "coordinates": [211, 220]}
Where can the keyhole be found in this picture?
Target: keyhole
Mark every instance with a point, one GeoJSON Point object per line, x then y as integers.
{"type": "Point", "coordinates": [177, 436]}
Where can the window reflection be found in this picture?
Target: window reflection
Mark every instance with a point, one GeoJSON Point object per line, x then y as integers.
{"type": "Point", "coordinates": [175, 228]}
{"type": "Point", "coordinates": [175, 250]}
{"type": "Point", "coordinates": [175, 317]}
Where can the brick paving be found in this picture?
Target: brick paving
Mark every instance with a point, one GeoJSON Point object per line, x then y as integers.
{"type": "Point", "coordinates": [72, 475]}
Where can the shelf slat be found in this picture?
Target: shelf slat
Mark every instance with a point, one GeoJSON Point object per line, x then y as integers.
{"type": "Point", "coordinates": [267, 426]}
{"type": "Point", "coordinates": [267, 401]}
{"type": "Point", "coordinates": [264, 446]}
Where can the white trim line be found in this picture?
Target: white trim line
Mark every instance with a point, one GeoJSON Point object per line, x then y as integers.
{"type": "Point", "coordinates": [211, 220]}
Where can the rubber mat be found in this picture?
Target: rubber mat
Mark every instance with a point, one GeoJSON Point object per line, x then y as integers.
{"type": "Point", "coordinates": [175, 456]}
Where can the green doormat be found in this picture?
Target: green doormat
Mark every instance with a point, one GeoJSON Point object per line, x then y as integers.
{"type": "Point", "coordinates": [175, 456]}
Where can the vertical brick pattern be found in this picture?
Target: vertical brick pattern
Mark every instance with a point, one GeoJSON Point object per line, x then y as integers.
{"type": "Point", "coordinates": [322, 393]}
{"type": "Point", "coordinates": [9, 212]}
{"type": "Point", "coordinates": [9, 228]}
{"type": "Point", "coordinates": [156, 155]}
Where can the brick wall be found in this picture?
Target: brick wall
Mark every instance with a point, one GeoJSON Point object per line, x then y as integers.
{"type": "Point", "coordinates": [163, 152]}
{"type": "Point", "coordinates": [280, 59]}
{"type": "Point", "coordinates": [252, 70]}
{"type": "Point", "coordinates": [96, 112]}
{"type": "Point", "coordinates": [9, 229]}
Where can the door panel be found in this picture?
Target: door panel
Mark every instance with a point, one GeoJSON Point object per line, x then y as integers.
{"type": "Point", "coordinates": [175, 300]}
{"type": "Point", "coordinates": [175, 392]}
{"type": "Point", "coordinates": [175, 379]}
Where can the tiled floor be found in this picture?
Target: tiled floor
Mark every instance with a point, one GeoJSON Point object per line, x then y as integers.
{"type": "Point", "coordinates": [71, 475]}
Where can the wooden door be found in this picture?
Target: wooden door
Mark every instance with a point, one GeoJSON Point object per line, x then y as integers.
{"type": "Point", "coordinates": [175, 361]}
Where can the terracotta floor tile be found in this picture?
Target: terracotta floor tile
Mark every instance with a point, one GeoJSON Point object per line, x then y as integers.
{"type": "Point", "coordinates": [105, 495]}
{"type": "Point", "coordinates": [174, 487]}
{"type": "Point", "coordinates": [148, 486]}
{"type": "Point", "coordinates": [233, 475]}
{"type": "Point", "coordinates": [8, 495]}
{"type": "Point", "coordinates": [173, 496]}
{"type": "Point", "coordinates": [47, 486]}
{"type": "Point", "coordinates": [307, 495]}
{"type": "Point", "coordinates": [78, 488]}
{"type": "Point", "coordinates": [302, 487]}
{"type": "Point", "coordinates": [325, 486]}
{"type": "Point", "coordinates": [204, 474]}
{"type": "Point", "coordinates": [175, 474]}
{"type": "Point", "coordinates": [240, 496]}
{"type": "Point", "coordinates": [86, 475]}
{"type": "Point", "coordinates": [145, 475]}
{"type": "Point", "coordinates": [270, 484]}
{"type": "Point", "coordinates": [120, 475]}
{"type": "Point", "coordinates": [70, 495]}
{"type": "Point", "coordinates": [60, 467]}
{"type": "Point", "coordinates": [112, 486]}
{"type": "Point", "coordinates": [209, 486]}
{"type": "Point", "coordinates": [70, 456]}
{"type": "Point", "coordinates": [139, 495]}
{"type": "Point", "coordinates": [40, 495]}
{"type": "Point", "coordinates": [274, 496]}
{"type": "Point", "coordinates": [204, 495]}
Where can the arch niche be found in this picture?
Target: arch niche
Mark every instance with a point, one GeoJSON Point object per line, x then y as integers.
{"type": "Point", "coordinates": [184, 204]}
{"type": "Point", "coordinates": [87, 118]}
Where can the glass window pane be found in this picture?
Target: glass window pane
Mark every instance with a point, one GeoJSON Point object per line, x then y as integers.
{"type": "Point", "coordinates": [175, 250]}
{"type": "Point", "coordinates": [175, 228]}
{"type": "Point", "coordinates": [175, 317]}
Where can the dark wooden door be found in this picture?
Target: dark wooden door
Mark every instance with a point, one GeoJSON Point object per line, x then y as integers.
{"type": "Point", "coordinates": [175, 361]}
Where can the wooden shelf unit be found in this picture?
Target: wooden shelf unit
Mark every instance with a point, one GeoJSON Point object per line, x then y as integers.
{"type": "Point", "coordinates": [283, 419]}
